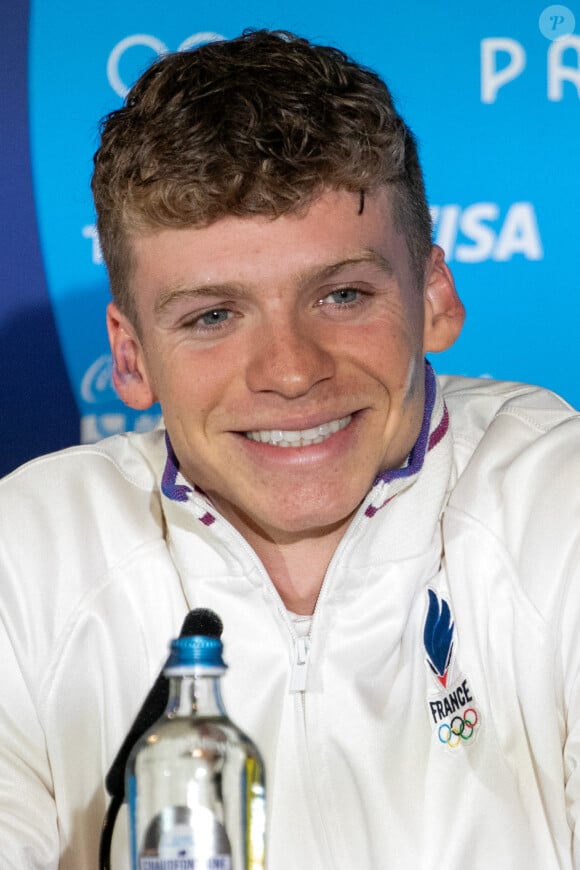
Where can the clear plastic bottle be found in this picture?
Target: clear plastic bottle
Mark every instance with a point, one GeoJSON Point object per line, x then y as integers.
{"type": "Point", "coordinates": [195, 782]}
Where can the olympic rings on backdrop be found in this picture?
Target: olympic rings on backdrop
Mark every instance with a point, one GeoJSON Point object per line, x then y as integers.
{"type": "Point", "coordinates": [460, 728]}
{"type": "Point", "coordinates": [154, 44]}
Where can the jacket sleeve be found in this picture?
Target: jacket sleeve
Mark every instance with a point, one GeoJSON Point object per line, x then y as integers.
{"type": "Point", "coordinates": [570, 646]}
{"type": "Point", "coordinates": [28, 828]}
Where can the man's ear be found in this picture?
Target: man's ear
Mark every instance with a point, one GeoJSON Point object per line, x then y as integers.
{"type": "Point", "coordinates": [444, 311]}
{"type": "Point", "coordinates": [130, 376]}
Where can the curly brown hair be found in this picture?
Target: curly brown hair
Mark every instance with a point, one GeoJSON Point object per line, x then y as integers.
{"type": "Point", "coordinates": [257, 125]}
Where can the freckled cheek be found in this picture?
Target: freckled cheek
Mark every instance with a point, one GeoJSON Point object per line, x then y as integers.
{"type": "Point", "coordinates": [392, 356]}
{"type": "Point", "coordinates": [201, 396]}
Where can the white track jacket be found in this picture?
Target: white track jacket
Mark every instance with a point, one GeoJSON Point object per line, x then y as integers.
{"type": "Point", "coordinates": [431, 721]}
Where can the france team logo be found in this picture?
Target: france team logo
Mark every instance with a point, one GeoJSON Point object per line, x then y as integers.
{"type": "Point", "coordinates": [452, 709]}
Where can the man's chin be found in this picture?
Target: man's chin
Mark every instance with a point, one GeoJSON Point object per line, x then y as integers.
{"type": "Point", "coordinates": [290, 525]}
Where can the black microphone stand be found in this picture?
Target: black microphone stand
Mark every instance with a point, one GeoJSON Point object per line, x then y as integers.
{"type": "Point", "coordinates": [197, 622]}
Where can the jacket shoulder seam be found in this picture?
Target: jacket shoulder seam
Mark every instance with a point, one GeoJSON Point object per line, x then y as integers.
{"type": "Point", "coordinates": [80, 607]}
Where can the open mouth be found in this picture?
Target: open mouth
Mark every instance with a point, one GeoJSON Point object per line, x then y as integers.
{"type": "Point", "coordinates": [299, 437]}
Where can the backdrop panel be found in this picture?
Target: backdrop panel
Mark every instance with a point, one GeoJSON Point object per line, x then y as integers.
{"type": "Point", "coordinates": [493, 98]}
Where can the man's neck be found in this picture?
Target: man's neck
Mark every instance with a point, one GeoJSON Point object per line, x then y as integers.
{"type": "Point", "coordinates": [296, 564]}
{"type": "Point", "coordinates": [298, 569]}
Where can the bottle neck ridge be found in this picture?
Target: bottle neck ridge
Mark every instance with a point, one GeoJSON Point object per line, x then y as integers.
{"type": "Point", "coordinates": [195, 692]}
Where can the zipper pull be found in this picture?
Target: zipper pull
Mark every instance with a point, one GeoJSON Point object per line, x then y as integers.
{"type": "Point", "coordinates": [300, 665]}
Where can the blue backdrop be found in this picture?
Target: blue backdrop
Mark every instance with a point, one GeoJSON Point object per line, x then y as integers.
{"type": "Point", "coordinates": [493, 98]}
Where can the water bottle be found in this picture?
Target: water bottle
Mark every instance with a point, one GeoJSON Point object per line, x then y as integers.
{"type": "Point", "coordinates": [195, 781]}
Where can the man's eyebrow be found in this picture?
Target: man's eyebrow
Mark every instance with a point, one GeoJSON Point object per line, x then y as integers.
{"type": "Point", "coordinates": [190, 291]}
{"type": "Point", "coordinates": [174, 293]}
{"type": "Point", "coordinates": [366, 256]}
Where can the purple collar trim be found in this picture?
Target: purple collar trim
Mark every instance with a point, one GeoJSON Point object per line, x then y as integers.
{"type": "Point", "coordinates": [169, 487]}
{"type": "Point", "coordinates": [178, 491]}
{"type": "Point", "coordinates": [422, 444]}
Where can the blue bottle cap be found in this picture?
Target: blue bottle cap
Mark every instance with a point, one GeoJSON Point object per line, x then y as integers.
{"type": "Point", "coordinates": [196, 651]}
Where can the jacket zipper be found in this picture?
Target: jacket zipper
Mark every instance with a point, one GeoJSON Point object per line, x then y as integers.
{"type": "Point", "coordinates": [301, 650]}
{"type": "Point", "coordinates": [299, 671]}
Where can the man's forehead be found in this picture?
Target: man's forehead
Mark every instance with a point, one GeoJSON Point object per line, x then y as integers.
{"type": "Point", "coordinates": [355, 205]}
{"type": "Point", "coordinates": [332, 235]}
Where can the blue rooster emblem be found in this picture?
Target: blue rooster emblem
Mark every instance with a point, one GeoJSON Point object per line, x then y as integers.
{"type": "Point", "coordinates": [438, 636]}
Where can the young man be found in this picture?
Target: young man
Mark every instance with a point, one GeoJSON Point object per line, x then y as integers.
{"type": "Point", "coordinates": [395, 559]}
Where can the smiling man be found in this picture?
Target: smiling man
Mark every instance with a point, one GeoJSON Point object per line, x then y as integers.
{"type": "Point", "coordinates": [394, 556]}
{"type": "Point", "coordinates": [287, 355]}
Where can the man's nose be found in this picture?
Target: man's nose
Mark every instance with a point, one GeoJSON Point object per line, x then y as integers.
{"type": "Point", "coordinates": [288, 358]}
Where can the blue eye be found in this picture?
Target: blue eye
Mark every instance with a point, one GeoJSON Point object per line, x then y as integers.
{"type": "Point", "coordinates": [343, 296]}
{"type": "Point", "coordinates": [346, 294]}
{"type": "Point", "coordinates": [215, 317]}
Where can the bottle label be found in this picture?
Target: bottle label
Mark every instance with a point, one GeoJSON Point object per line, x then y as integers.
{"type": "Point", "coordinates": [219, 862]}
{"type": "Point", "coordinates": [179, 839]}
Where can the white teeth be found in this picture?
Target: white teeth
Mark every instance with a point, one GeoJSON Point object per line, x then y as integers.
{"type": "Point", "coordinates": [299, 437]}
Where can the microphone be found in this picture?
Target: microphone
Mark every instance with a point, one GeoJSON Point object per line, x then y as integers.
{"type": "Point", "coordinates": [200, 621]}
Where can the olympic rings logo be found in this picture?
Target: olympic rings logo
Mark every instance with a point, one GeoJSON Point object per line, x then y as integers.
{"type": "Point", "coordinates": [154, 44]}
{"type": "Point", "coordinates": [460, 728]}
